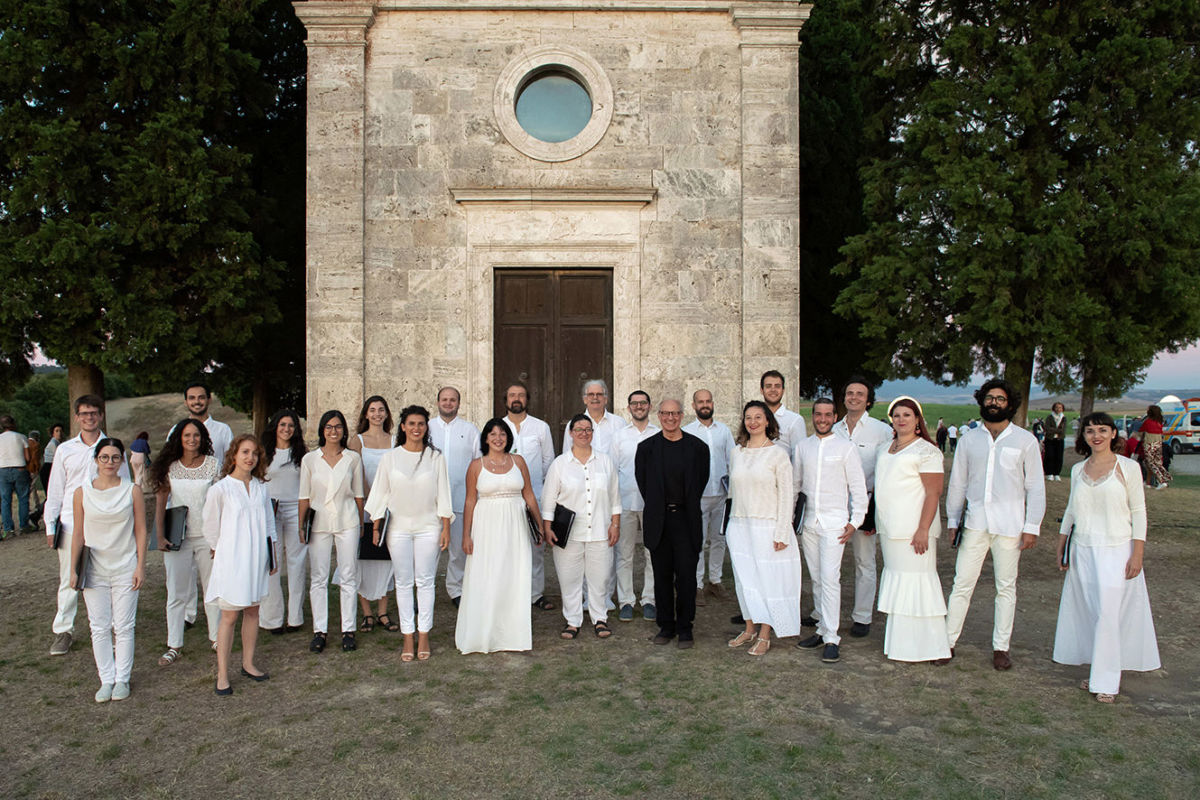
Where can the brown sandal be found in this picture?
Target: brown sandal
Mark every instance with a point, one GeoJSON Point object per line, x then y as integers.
{"type": "Point", "coordinates": [569, 632]}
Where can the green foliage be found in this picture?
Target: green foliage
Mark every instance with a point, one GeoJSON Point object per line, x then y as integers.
{"type": "Point", "coordinates": [1040, 199]}
{"type": "Point", "coordinates": [39, 403]}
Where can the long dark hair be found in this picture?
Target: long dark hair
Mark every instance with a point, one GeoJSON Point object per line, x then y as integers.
{"type": "Point", "coordinates": [173, 450]}
{"type": "Point", "coordinates": [743, 435]}
{"type": "Point", "coordinates": [295, 444]}
{"type": "Point", "coordinates": [325, 418]}
{"type": "Point", "coordinates": [362, 415]}
{"type": "Point", "coordinates": [427, 442]}
{"type": "Point", "coordinates": [1154, 413]}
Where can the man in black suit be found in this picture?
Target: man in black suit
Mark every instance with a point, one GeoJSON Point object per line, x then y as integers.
{"type": "Point", "coordinates": [671, 468]}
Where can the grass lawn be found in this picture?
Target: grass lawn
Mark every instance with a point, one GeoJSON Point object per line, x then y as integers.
{"type": "Point", "coordinates": [616, 718]}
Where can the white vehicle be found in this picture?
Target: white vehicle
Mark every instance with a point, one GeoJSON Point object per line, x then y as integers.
{"type": "Point", "coordinates": [1181, 423]}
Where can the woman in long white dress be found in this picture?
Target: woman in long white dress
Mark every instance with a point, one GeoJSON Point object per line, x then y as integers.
{"type": "Point", "coordinates": [112, 516]}
{"type": "Point", "coordinates": [240, 528]}
{"type": "Point", "coordinates": [761, 542]}
{"type": "Point", "coordinates": [413, 485]}
{"type": "Point", "coordinates": [375, 576]}
{"type": "Point", "coordinates": [495, 611]}
{"type": "Point", "coordinates": [1104, 616]}
{"type": "Point", "coordinates": [182, 475]}
{"type": "Point", "coordinates": [909, 477]}
{"type": "Point", "coordinates": [284, 448]}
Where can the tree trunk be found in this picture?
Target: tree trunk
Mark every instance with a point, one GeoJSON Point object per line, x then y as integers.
{"type": "Point", "coordinates": [1019, 373]}
{"type": "Point", "coordinates": [82, 379]}
{"type": "Point", "coordinates": [1087, 396]}
{"type": "Point", "coordinates": [260, 406]}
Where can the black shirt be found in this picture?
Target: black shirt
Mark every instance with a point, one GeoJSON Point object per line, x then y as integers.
{"type": "Point", "coordinates": [674, 467]}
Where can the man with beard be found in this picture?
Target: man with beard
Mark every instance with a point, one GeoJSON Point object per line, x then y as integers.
{"type": "Point", "coordinates": [997, 472]}
{"type": "Point", "coordinates": [630, 544]}
{"type": "Point", "coordinates": [712, 505]}
{"type": "Point", "coordinates": [792, 429]}
{"type": "Point", "coordinates": [459, 442]}
{"type": "Point", "coordinates": [532, 441]}
{"type": "Point", "coordinates": [197, 398]}
{"type": "Point", "coordinates": [830, 476]}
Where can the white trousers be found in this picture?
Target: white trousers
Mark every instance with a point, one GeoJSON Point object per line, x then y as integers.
{"type": "Point", "coordinates": [414, 562]}
{"type": "Point", "coordinates": [823, 554]}
{"type": "Point", "coordinates": [579, 562]}
{"type": "Point", "coordinates": [456, 562]}
{"type": "Point", "coordinates": [628, 546]}
{"type": "Point", "coordinates": [320, 548]}
{"type": "Point", "coordinates": [68, 598]}
{"type": "Point", "coordinates": [193, 557]}
{"type": "Point", "coordinates": [1006, 553]}
{"type": "Point", "coordinates": [294, 554]}
{"type": "Point", "coordinates": [865, 579]}
{"type": "Point", "coordinates": [112, 610]}
{"type": "Point", "coordinates": [537, 574]}
{"type": "Point", "coordinates": [713, 510]}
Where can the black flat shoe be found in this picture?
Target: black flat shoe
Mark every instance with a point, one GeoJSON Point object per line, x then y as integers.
{"type": "Point", "coordinates": [228, 690]}
{"type": "Point", "coordinates": [318, 643]}
{"type": "Point", "coordinates": [291, 628]}
{"type": "Point", "coordinates": [348, 643]}
{"type": "Point", "coordinates": [811, 643]}
{"type": "Point", "coordinates": [276, 631]}
{"type": "Point", "coordinates": [808, 622]}
{"type": "Point", "coordinates": [256, 678]}
{"type": "Point", "coordinates": [859, 629]}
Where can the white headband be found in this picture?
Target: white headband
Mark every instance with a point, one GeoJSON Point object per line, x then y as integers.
{"type": "Point", "coordinates": [914, 400]}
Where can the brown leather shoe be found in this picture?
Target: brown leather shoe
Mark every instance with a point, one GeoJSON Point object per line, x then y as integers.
{"type": "Point", "coordinates": [1000, 660]}
{"type": "Point", "coordinates": [700, 601]}
{"type": "Point", "coordinates": [661, 638]}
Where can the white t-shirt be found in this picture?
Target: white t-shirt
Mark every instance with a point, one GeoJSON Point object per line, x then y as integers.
{"type": "Point", "coordinates": [12, 449]}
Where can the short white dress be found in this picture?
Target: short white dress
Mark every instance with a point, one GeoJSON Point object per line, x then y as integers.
{"type": "Point", "coordinates": [375, 577]}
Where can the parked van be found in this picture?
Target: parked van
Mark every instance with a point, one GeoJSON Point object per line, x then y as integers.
{"type": "Point", "coordinates": [1181, 423]}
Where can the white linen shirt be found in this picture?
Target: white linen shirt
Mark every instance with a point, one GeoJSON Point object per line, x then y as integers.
{"type": "Point", "coordinates": [830, 475]}
{"type": "Point", "coordinates": [415, 487]}
{"type": "Point", "coordinates": [604, 432]}
{"type": "Point", "coordinates": [534, 443]}
{"type": "Point", "coordinates": [1001, 481]}
{"type": "Point", "coordinates": [239, 527]}
{"type": "Point", "coordinates": [459, 442]}
{"type": "Point", "coordinates": [589, 488]}
{"type": "Point", "coordinates": [870, 435]}
{"type": "Point", "coordinates": [792, 431]}
{"type": "Point", "coordinates": [331, 490]}
{"type": "Point", "coordinates": [624, 454]}
{"type": "Point", "coordinates": [720, 447]}
{"type": "Point", "coordinates": [74, 465]}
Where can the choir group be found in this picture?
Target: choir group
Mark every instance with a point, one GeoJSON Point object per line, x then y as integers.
{"type": "Point", "coordinates": [236, 512]}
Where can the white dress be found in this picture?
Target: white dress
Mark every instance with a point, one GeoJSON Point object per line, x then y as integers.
{"type": "Point", "coordinates": [239, 526]}
{"type": "Point", "coordinates": [494, 613]}
{"type": "Point", "coordinates": [767, 580]}
{"type": "Point", "coordinates": [375, 577]}
{"type": "Point", "coordinates": [910, 592]}
{"type": "Point", "coordinates": [1103, 619]}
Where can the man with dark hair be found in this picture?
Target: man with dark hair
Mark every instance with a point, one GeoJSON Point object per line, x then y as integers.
{"type": "Point", "coordinates": [792, 429]}
{"type": "Point", "coordinates": [458, 440]}
{"type": "Point", "coordinates": [197, 397]}
{"type": "Point", "coordinates": [997, 475]}
{"type": "Point", "coordinates": [631, 546]}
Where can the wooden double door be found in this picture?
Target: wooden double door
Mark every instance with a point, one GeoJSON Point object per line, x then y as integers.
{"type": "Point", "coordinates": [553, 331]}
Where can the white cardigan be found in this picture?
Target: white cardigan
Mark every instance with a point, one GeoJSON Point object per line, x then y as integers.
{"type": "Point", "coordinates": [1107, 513]}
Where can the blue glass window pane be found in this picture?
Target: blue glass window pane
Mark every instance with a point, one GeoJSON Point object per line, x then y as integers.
{"type": "Point", "coordinates": [553, 107]}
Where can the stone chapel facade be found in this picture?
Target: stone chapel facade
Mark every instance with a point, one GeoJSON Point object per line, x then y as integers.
{"type": "Point", "coordinates": [457, 236]}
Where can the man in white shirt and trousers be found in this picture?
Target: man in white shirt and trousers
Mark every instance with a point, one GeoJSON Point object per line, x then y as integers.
{"type": "Point", "coordinates": [532, 441]}
{"type": "Point", "coordinates": [997, 473]}
{"type": "Point", "coordinates": [712, 505]}
{"type": "Point", "coordinates": [831, 478]}
{"type": "Point", "coordinates": [459, 442]}
{"type": "Point", "coordinates": [605, 424]}
{"type": "Point", "coordinates": [868, 435]}
{"type": "Point", "coordinates": [630, 544]}
{"type": "Point", "coordinates": [74, 465]}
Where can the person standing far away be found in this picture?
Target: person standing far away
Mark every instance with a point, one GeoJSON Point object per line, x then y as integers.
{"type": "Point", "coordinates": [56, 438]}
{"type": "Point", "coordinates": [14, 477]}
{"type": "Point", "coordinates": [1054, 428]}
{"type": "Point", "coordinates": [998, 475]}
{"type": "Point", "coordinates": [940, 437]}
{"type": "Point", "coordinates": [605, 424]}
{"type": "Point", "coordinates": [952, 437]}
{"type": "Point", "coordinates": [532, 441]}
{"type": "Point", "coordinates": [74, 465]}
{"type": "Point", "coordinates": [719, 439]}
{"type": "Point", "coordinates": [632, 533]}
{"type": "Point", "coordinates": [672, 470]}
{"type": "Point", "coordinates": [869, 435]}
{"type": "Point", "coordinates": [458, 440]}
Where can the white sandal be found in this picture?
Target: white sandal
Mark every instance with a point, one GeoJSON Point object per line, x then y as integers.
{"type": "Point", "coordinates": [168, 658]}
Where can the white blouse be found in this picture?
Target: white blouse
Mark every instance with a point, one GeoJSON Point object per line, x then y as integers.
{"type": "Point", "coordinates": [283, 477]}
{"type": "Point", "coordinates": [239, 526]}
{"type": "Point", "coordinates": [760, 484]}
{"type": "Point", "coordinates": [108, 528]}
{"type": "Point", "coordinates": [189, 487]}
{"type": "Point", "coordinates": [1107, 512]}
{"type": "Point", "coordinates": [899, 492]}
{"type": "Point", "coordinates": [331, 490]}
{"type": "Point", "coordinates": [591, 489]}
{"type": "Point", "coordinates": [415, 487]}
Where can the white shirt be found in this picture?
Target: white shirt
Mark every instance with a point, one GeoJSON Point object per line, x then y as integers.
{"type": "Point", "coordinates": [48, 453]}
{"type": "Point", "coordinates": [534, 443]}
{"type": "Point", "coordinates": [459, 442]}
{"type": "Point", "coordinates": [952, 432]}
{"type": "Point", "coordinates": [220, 434]}
{"type": "Point", "coordinates": [604, 432]}
{"type": "Point", "coordinates": [1000, 480]}
{"type": "Point", "coordinates": [831, 477]}
{"type": "Point", "coordinates": [74, 465]}
{"type": "Point", "coordinates": [415, 487]}
{"type": "Point", "coordinates": [792, 431]}
{"type": "Point", "coordinates": [331, 490]}
{"type": "Point", "coordinates": [1107, 512]}
{"type": "Point", "coordinates": [284, 477]}
{"type": "Point", "coordinates": [720, 447]}
{"type": "Point", "coordinates": [12, 449]}
{"type": "Point", "coordinates": [624, 454]}
{"type": "Point", "coordinates": [239, 527]}
{"type": "Point", "coordinates": [871, 435]}
{"type": "Point", "coordinates": [760, 485]}
{"type": "Point", "coordinates": [590, 489]}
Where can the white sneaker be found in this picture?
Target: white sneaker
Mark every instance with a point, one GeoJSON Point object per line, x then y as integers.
{"type": "Point", "coordinates": [120, 691]}
{"type": "Point", "coordinates": [105, 694]}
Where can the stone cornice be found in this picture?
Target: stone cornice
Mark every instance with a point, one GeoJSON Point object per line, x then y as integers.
{"type": "Point", "coordinates": [575, 5]}
{"type": "Point", "coordinates": [775, 25]}
{"type": "Point", "coordinates": [337, 24]}
{"type": "Point", "coordinates": [520, 195]}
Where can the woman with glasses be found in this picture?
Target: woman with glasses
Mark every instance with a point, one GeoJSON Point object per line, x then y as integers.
{"type": "Point", "coordinates": [331, 484]}
{"type": "Point", "coordinates": [584, 481]}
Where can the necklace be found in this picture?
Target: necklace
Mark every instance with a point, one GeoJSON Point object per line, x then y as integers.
{"type": "Point", "coordinates": [495, 466]}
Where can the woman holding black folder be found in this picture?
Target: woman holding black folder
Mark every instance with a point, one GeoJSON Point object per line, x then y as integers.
{"type": "Point", "coordinates": [1104, 617]}
{"type": "Point", "coordinates": [495, 611]}
{"type": "Point", "coordinates": [375, 577]}
{"type": "Point", "coordinates": [182, 475]}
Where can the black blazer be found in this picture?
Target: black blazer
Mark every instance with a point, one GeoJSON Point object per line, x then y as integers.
{"type": "Point", "coordinates": [648, 468]}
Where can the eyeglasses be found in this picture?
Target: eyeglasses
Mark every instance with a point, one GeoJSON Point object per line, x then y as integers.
{"type": "Point", "coordinates": [87, 414]}
{"type": "Point", "coordinates": [584, 431]}
{"type": "Point", "coordinates": [639, 403]}
{"type": "Point", "coordinates": [995, 400]}
{"type": "Point", "coordinates": [335, 427]}
{"type": "Point", "coordinates": [107, 459]}
{"type": "Point", "coordinates": [670, 413]}
{"type": "Point", "coordinates": [595, 394]}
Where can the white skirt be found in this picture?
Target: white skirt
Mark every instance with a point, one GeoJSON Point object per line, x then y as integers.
{"type": "Point", "coordinates": [495, 613]}
{"type": "Point", "coordinates": [375, 579]}
{"type": "Point", "coordinates": [910, 593]}
{"type": "Point", "coordinates": [1103, 619]}
{"type": "Point", "coordinates": [767, 580]}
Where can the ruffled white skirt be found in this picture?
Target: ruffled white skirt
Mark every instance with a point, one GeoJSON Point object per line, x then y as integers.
{"type": "Point", "coordinates": [767, 580]}
{"type": "Point", "coordinates": [910, 593]}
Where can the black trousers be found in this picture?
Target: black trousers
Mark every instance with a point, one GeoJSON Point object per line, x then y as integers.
{"type": "Point", "coordinates": [1052, 460]}
{"type": "Point", "coordinates": [674, 562]}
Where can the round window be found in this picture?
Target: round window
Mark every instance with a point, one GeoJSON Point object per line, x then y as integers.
{"type": "Point", "coordinates": [553, 106]}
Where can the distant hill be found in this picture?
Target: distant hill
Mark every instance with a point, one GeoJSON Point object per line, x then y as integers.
{"type": "Point", "coordinates": [157, 413]}
{"type": "Point", "coordinates": [926, 390]}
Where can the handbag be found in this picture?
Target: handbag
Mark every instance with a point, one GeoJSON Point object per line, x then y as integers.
{"type": "Point", "coordinates": [564, 518]}
{"type": "Point", "coordinates": [367, 549]}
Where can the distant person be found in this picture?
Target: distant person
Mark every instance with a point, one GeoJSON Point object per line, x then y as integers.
{"type": "Point", "coordinates": [942, 433]}
{"type": "Point", "coordinates": [34, 466]}
{"type": "Point", "coordinates": [14, 477]}
{"type": "Point", "coordinates": [373, 439]}
{"type": "Point", "coordinates": [1054, 428]}
{"type": "Point", "coordinates": [1151, 434]}
{"type": "Point", "coordinates": [952, 437]}
{"type": "Point", "coordinates": [139, 457]}
{"type": "Point", "coordinates": [56, 438]}
{"type": "Point", "coordinates": [1038, 429]}
{"type": "Point", "coordinates": [457, 440]}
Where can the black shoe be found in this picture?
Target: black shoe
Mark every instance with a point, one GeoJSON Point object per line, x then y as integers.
{"type": "Point", "coordinates": [859, 629]}
{"type": "Point", "coordinates": [291, 628]}
{"type": "Point", "coordinates": [736, 619]}
{"type": "Point", "coordinates": [685, 643]}
{"type": "Point", "coordinates": [228, 690]}
{"type": "Point", "coordinates": [662, 637]}
{"type": "Point", "coordinates": [808, 622]}
{"type": "Point", "coordinates": [830, 654]}
{"type": "Point", "coordinates": [811, 643]}
{"type": "Point", "coordinates": [348, 643]}
{"type": "Point", "coordinates": [256, 678]}
{"type": "Point", "coordinates": [456, 601]}
{"type": "Point", "coordinates": [187, 626]}
{"type": "Point", "coordinates": [276, 631]}
{"type": "Point", "coordinates": [318, 643]}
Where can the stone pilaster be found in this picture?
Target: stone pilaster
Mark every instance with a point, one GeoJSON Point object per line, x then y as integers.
{"type": "Point", "coordinates": [337, 41]}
